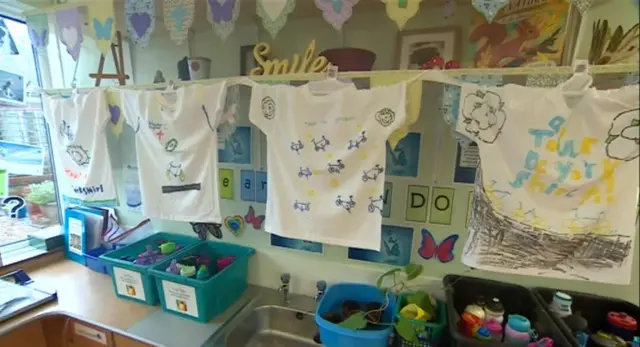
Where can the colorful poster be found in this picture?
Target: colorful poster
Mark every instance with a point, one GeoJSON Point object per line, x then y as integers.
{"type": "Point", "coordinates": [237, 149]}
{"type": "Point", "coordinates": [21, 159]}
{"type": "Point", "coordinates": [522, 33]}
{"type": "Point", "coordinates": [301, 245]}
{"type": "Point", "coordinates": [403, 160]}
{"type": "Point", "coordinates": [467, 160]}
{"type": "Point", "coordinates": [395, 247]}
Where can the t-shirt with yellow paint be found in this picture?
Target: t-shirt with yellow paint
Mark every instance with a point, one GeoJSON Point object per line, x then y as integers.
{"type": "Point", "coordinates": [325, 160]}
{"type": "Point", "coordinates": [557, 194]}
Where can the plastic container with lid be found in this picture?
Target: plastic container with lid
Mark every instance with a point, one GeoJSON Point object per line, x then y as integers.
{"type": "Point", "coordinates": [622, 324]}
{"type": "Point", "coordinates": [494, 310]}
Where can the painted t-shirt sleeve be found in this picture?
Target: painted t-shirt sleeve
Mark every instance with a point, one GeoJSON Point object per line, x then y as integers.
{"type": "Point", "coordinates": [130, 107]}
{"type": "Point", "coordinates": [263, 108]}
{"type": "Point", "coordinates": [392, 115]}
{"type": "Point", "coordinates": [213, 100]}
{"type": "Point", "coordinates": [481, 112]}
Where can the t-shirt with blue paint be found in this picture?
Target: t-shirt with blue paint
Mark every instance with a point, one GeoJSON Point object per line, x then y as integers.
{"type": "Point", "coordinates": [558, 189]}
{"type": "Point", "coordinates": [77, 124]}
{"type": "Point", "coordinates": [326, 160]}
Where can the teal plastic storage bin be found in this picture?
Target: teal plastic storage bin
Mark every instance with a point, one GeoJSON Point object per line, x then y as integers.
{"type": "Point", "coordinates": [202, 300]}
{"type": "Point", "coordinates": [333, 335]}
{"type": "Point", "coordinates": [132, 281]}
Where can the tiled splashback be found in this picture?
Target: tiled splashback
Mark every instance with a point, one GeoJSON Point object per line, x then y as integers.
{"type": "Point", "coordinates": [427, 197]}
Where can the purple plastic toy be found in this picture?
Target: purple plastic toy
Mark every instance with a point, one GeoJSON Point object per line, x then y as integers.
{"type": "Point", "coordinates": [173, 267]}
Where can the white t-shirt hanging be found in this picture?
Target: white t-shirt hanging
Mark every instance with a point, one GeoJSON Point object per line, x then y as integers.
{"type": "Point", "coordinates": [559, 181]}
{"type": "Point", "coordinates": [177, 150]}
{"type": "Point", "coordinates": [325, 160]}
{"type": "Point", "coordinates": [77, 129]}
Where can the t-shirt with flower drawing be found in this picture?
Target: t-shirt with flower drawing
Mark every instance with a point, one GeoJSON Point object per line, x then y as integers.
{"type": "Point", "coordinates": [325, 160]}
{"type": "Point", "coordinates": [559, 180]}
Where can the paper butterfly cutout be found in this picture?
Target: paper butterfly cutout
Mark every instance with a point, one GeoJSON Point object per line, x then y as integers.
{"type": "Point", "coordinates": [39, 40]}
{"type": "Point", "coordinates": [443, 252]}
{"type": "Point", "coordinates": [203, 228]}
{"type": "Point", "coordinates": [38, 25]}
{"type": "Point", "coordinates": [235, 224]}
{"type": "Point", "coordinates": [103, 30]}
{"type": "Point", "coordinates": [223, 15]}
{"type": "Point", "coordinates": [251, 217]}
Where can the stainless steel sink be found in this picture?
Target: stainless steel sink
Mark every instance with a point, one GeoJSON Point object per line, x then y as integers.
{"type": "Point", "coordinates": [267, 321]}
{"type": "Point", "coordinates": [269, 326]}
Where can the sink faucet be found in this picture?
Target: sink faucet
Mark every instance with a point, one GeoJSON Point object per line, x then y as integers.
{"type": "Point", "coordinates": [322, 287]}
{"type": "Point", "coordinates": [284, 288]}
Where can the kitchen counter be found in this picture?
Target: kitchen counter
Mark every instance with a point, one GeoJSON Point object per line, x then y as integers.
{"type": "Point", "coordinates": [88, 296]}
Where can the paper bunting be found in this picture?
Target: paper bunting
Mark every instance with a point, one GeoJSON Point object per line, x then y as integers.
{"type": "Point", "coordinates": [223, 15]}
{"type": "Point", "coordinates": [69, 27]}
{"type": "Point", "coordinates": [413, 104]}
{"type": "Point", "coordinates": [38, 25]}
{"type": "Point", "coordinates": [544, 81]}
{"type": "Point", "coordinates": [274, 14]}
{"type": "Point", "coordinates": [140, 16]}
{"type": "Point", "coordinates": [400, 11]}
{"type": "Point", "coordinates": [336, 12]}
{"type": "Point", "coordinates": [178, 18]}
{"type": "Point", "coordinates": [102, 23]}
{"type": "Point", "coordinates": [489, 8]}
{"type": "Point", "coordinates": [116, 118]}
{"type": "Point", "coordinates": [582, 5]}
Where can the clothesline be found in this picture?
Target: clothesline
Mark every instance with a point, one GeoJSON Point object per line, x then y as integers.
{"type": "Point", "coordinates": [438, 76]}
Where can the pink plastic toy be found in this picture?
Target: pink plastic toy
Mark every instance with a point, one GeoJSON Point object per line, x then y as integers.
{"type": "Point", "coordinates": [223, 262]}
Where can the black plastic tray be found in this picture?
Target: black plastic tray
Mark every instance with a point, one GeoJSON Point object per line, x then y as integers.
{"type": "Point", "coordinates": [593, 308]}
{"type": "Point", "coordinates": [463, 290]}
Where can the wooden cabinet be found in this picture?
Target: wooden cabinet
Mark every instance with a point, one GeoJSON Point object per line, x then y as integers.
{"type": "Point", "coordinates": [31, 334]}
{"type": "Point", "coordinates": [82, 334]}
{"type": "Point", "coordinates": [123, 341]}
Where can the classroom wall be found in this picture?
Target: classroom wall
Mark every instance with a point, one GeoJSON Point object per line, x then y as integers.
{"type": "Point", "coordinates": [435, 163]}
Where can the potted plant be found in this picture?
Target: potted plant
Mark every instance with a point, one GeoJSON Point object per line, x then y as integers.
{"type": "Point", "coordinates": [41, 200]}
{"type": "Point", "coordinates": [405, 327]}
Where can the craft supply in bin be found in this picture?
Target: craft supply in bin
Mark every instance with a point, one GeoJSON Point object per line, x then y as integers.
{"type": "Point", "coordinates": [203, 299]}
{"type": "Point", "coordinates": [516, 302]}
{"type": "Point", "coordinates": [334, 302]}
{"type": "Point", "coordinates": [133, 280]}
{"type": "Point", "coordinates": [430, 333]}
{"type": "Point", "coordinates": [601, 318]}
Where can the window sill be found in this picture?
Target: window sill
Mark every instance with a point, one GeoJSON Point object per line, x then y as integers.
{"type": "Point", "coordinates": [35, 244]}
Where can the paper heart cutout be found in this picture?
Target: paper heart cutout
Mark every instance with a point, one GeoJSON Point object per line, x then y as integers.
{"type": "Point", "coordinates": [235, 224]}
{"type": "Point", "coordinates": [70, 36]}
{"type": "Point", "coordinates": [114, 110]}
{"type": "Point", "coordinates": [274, 9]}
{"type": "Point", "coordinates": [140, 23]}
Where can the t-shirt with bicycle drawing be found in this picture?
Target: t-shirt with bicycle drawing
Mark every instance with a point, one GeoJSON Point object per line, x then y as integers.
{"type": "Point", "coordinates": [328, 155]}
{"type": "Point", "coordinates": [558, 185]}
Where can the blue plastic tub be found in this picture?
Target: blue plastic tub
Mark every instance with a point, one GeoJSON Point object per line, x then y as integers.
{"type": "Point", "coordinates": [132, 281]}
{"type": "Point", "coordinates": [202, 300]}
{"type": "Point", "coordinates": [93, 262]}
{"type": "Point", "coordinates": [333, 335]}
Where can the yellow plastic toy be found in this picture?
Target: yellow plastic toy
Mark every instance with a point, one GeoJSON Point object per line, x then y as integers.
{"type": "Point", "coordinates": [413, 311]}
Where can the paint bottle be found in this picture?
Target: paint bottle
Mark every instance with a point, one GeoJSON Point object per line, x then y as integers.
{"type": "Point", "coordinates": [475, 310]}
{"type": "Point", "coordinates": [622, 325]}
{"type": "Point", "coordinates": [483, 334]}
{"type": "Point", "coordinates": [582, 338]}
{"type": "Point", "coordinates": [469, 324]}
{"type": "Point", "coordinates": [636, 341]}
{"type": "Point", "coordinates": [561, 304]}
{"type": "Point", "coordinates": [494, 311]}
{"type": "Point", "coordinates": [517, 331]}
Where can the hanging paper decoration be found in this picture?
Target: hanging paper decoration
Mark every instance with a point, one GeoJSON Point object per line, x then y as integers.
{"type": "Point", "coordinates": [582, 5]}
{"type": "Point", "coordinates": [400, 11]}
{"type": "Point", "coordinates": [38, 25]}
{"type": "Point", "coordinates": [69, 26]}
{"type": "Point", "coordinates": [116, 118]}
{"type": "Point", "coordinates": [102, 23]}
{"type": "Point", "coordinates": [223, 15]}
{"type": "Point", "coordinates": [413, 104]}
{"type": "Point", "coordinates": [274, 14]}
{"type": "Point", "coordinates": [140, 16]}
{"type": "Point", "coordinates": [178, 18]}
{"type": "Point", "coordinates": [449, 9]}
{"type": "Point", "coordinates": [489, 8]}
{"type": "Point", "coordinates": [336, 12]}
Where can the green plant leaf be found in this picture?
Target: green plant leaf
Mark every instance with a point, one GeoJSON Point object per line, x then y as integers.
{"type": "Point", "coordinates": [388, 273]}
{"type": "Point", "coordinates": [355, 322]}
{"type": "Point", "coordinates": [405, 329]}
{"type": "Point", "coordinates": [412, 271]}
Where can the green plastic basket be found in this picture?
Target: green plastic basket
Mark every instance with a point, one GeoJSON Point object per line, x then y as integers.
{"type": "Point", "coordinates": [430, 333]}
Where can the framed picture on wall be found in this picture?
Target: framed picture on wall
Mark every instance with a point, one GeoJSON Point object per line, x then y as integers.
{"type": "Point", "coordinates": [416, 47]}
{"type": "Point", "coordinates": [247, 62]}
{"type": "Point", "coordinates": [11, 88]}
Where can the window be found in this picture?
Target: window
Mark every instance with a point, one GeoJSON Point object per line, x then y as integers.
{"type": "Point", "coordinates": [28, 194]}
